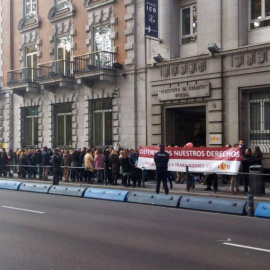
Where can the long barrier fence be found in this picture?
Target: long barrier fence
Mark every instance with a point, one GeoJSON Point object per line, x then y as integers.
{"type": "Point", "coordinates": [258, 181]}
{"type": "Point", "coordinates": [209, 204]}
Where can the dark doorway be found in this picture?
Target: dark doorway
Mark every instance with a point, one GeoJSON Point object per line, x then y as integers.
{"type": "Point", "coordinates": [186, 124]}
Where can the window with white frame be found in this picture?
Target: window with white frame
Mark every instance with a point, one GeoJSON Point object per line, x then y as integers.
{"type": "Point", "coordinates": [64, 54]}
{"type": "Point", "coordinates": [189, 24]}
{"type": "Point", "coordinates": [31, 62]}
{"type": "Point", "coordinates": [103, 38]}
{"type": "Point", "coordinates": [30, 126]}
{"type": "Point", "coordinates": [61, 4]}
{"type": "Point", "coordinates": [256, 127]}
{"type": "Point", "coordinates": [259, 13]}
{"type": "Point", "coordinates": [103, 46]}
{"type": "Point", "coordinates": [30, 9]}
{"type": "Point", "coordinates": [100, 111]}
{"type": "Point", "coordinates": [63, 124]}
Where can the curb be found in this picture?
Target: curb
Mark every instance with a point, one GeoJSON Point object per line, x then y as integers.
{"type": "Point", "coordinates": [151, 190]}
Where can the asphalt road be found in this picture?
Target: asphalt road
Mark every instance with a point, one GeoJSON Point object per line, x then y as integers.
{"type": "Point", "coordinates": [74, 233]}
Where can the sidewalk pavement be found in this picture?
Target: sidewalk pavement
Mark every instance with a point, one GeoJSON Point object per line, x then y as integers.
{"type": "Point", "coordinates": [178, 189]}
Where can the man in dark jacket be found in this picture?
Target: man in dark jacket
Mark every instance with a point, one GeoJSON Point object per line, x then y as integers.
{"type": "Point", "coordinates": [37, 159]}
{"type": "Point", "coordinates": [136, 172]}
{"type": "Point", "coordinates": [56, 164]}
{"type": "Point", "coordinates": [248, 160]}
{"type": "Point", "coordinates": [82, 171]}
{"type": "Point", "coordinates": [32, 169]}
{"type": "Point", "coordinates": [161, 159]}
{"type": "Point", "coordinates": [4, 161]}
{"type": "Point", "coordinates": [45, 163]}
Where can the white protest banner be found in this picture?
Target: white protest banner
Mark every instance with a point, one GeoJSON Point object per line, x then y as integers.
{"type": "Point", "coordinates": [223, 160]}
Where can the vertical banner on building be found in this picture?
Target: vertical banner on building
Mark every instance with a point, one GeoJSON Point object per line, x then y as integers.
{"type": "Point", "coordinates": [151, 18]}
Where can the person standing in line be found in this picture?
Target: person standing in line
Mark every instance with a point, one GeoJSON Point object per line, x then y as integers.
{"type": "Point", "coordinates": [82, 171]}
{"type": "Point", "coordinates": [45, 163]}
{"type": "Point", "coordinates": [161, 159]}
{"type": "Point", "coordinates": [107, 167]}
{"type": "Point", "coordinates": [258, 155]}
{"type": "Point", "coordinates": [114, 158]}
{"type": "Point", "coordinates": [88, 165]}
{"type": "Point", "coordinates": [67, 164]}
{"type": "Point", "coordinates": [22, 163]}
{"type": "Point", "coordinates": [248, 160]}
{"type": "Point", "coordinates": [136, 172]}
{"type": "Point", "coordinates": [99, 165]}
{"type": "Point", "coordinates": [4, 161]}
{"type": "Point", "coordinates": [56, 163]}
{"type": "Point", "coordinates": [37, 159]}
{"type": "Point", "coordinates": [124, 162]}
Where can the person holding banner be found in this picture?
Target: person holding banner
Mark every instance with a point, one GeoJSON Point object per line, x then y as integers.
{"type": "Point", "coordinates": [161, 160]}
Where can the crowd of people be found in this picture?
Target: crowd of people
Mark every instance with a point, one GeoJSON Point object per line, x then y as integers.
{"type": "Point", "coordinates": [107, 165]}
{"type": "Point", "coordinates": [250, 157]}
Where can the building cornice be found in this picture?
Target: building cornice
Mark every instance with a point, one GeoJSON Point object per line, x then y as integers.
{"type": "Point", "coordinates": [93, 4]}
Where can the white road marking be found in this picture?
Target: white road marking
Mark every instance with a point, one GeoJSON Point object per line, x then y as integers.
{"type": "Point", "coordinates": [228, 240]}
{"type": "Point", "coordinates": [247, 247]}
{"type": "Point", "coordinates": [21, 209]}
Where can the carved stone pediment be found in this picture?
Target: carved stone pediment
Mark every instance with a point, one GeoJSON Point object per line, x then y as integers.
{"type": "Point", "coordinates": [56, 15]}
{"type": "Point", "coordinates": [26, 25]}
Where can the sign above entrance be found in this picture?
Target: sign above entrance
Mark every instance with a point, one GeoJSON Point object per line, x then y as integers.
{"type": "Point", "coordinates": [183, 92]}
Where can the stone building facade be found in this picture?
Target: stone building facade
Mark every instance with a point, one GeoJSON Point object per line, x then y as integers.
{"type": "Point", "coordinates": [210, 98]}
{"type": "Point", "coordinates": [191, 94]}
{"type": "Point", "coordinates": [69, 74]}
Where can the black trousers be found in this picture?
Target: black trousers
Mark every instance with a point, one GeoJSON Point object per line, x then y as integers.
{"type": "Point", "coordinates": [56, 175]}
{"type": "Point", "coordinates": [212, 180]}
{"type": "Point", "coordinates": [162, 177]}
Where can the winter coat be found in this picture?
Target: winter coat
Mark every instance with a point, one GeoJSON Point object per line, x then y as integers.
{"type": "Point", "coordinates": [99, 162]}
{"type": "Point", "coordinates": [37, 158]}
{"type": "Point", "coordinates": [133, 161]}
{"type": "Point", "coordinates": [45, 158]}
{"type": "Point", "coordinates": [124, 162]}
{"type": "Point", "coordinates": [258, 158]}
{"type": "Point", "coordinates": [247, 162]}
{"type": "Point", "coordinates": [4, 158]}
{"type": "Point", "coordinates": [88, 162]}
{"type": "Point", "coordinates": [82, 155]}
{"type": "Point", "coordinates": [115, 163]}
{"type": "Point", "coordinates": [76, 159]}
{"type": "Point", "coordinates": [23, 161]}
{"type": "Point", "coordinates": [56, 161]}
{"type": "Point", "coordinates": [67, 160]}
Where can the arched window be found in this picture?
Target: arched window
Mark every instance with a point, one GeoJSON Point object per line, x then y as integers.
{"type": "Point", "coordinates": [61, 4]}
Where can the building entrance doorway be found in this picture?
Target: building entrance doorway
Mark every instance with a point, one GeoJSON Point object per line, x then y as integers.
{"type": "Point", "coordinates": [186, 124]}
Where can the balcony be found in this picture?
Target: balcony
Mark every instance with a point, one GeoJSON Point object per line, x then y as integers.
{"type": "Point", "coordinates": [56, 74]}
{"type": "Point", "coordinates": [23, 80]}
{"type": "Point", "coordinates": [95, 66]}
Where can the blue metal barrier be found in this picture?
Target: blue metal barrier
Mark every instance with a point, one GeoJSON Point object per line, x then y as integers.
{"type": "Point", "coordinates": [11, 185]}
{"type": "Point", "coordinates": [67, 191]}
{"type": "Point", "coordinates": [106, 194]}
{"type": "Point", "coordinates": [263, 210]}
{"type": "Point", "coordinates": [154, 199]}
{"type": "Point", "coordinates": [34, 187]}
{"type": "Point", "coordinates": [214, 205]}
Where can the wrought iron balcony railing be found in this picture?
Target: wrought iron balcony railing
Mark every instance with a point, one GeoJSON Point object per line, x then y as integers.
{"type": "Point", "coordinates": [54, 69]}
{"type": "Point", "coordinates": [94, 61]}
{"type": "Point", "coordinates": [22, 76]}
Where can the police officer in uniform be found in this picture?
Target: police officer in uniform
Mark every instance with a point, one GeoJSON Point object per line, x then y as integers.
{"type": "Point", "coordinates": [161, 159]}
{"type": "Point", "coordinates": [56, 163]}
